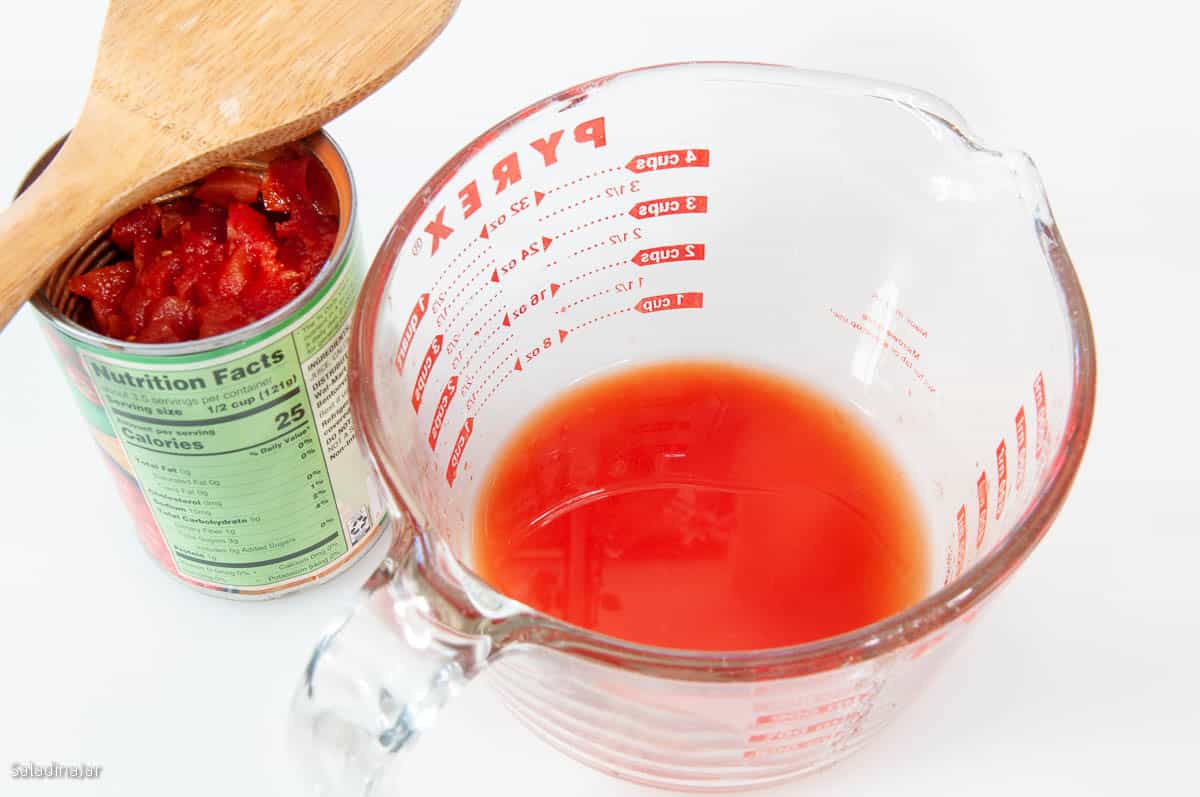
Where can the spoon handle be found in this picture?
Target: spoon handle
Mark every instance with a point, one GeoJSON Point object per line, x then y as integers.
{"type": "Point", "coordinates": [77, 193]}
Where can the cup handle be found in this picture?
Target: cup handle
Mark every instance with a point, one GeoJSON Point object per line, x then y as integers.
{"type": "Point", "coordinates": [378, 681]}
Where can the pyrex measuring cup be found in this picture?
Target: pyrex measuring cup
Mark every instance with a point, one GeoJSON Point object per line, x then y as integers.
{"type": "Point", "coordinates": [848, 233]}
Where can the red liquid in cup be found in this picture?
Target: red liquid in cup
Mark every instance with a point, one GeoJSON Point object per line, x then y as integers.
{"type": "Point", "coordinates": [701, 506]}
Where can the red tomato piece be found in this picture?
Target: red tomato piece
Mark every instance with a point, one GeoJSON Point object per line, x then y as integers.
{"type": "Point", "coordinates": [316, 234]}
{"type": "Point", "coordinates": [321, 191]}
{"type": "Point", "coordinates": [286, 186]}
{"type": "Point", "coordinates": [106, 287]}
{"type": "Point", "coordinates": [141, 224]}
{"type": "Point", "coordinates": [249, 230]}
{"type": "Point", "coordinates": [230, 185]}
{"type": "Point", "coordinates": [271, 291]}
{"type": "Point", "coordinates": [170, 319]}
{"type": "Point", "coordinates": [222, 315]}
{"type": "Point", "coordinates": [201, 256]}
{"type": "Point", "coordinates": [235, 274]}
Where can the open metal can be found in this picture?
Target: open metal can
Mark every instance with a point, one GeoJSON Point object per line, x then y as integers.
{"type": "Point", "coordinates": [235, 454]}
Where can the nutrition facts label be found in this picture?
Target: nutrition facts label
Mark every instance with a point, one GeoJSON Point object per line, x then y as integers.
{"type": "Point", "coordinates": [248, 463]}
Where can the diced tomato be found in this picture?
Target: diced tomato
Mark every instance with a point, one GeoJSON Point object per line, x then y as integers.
{"type": "Point", "coordinates": [189, 218]}
{"type": "Point", "coordinates": [316, 233]}
{"type": "Point", "coordinates": [141, 224]}
{"type": "Point", "coordinates": [222, 315]}
{"type": "Point", "coordinates": [171, 218]}
{"type": "Point", "coordinates": [106, 287]}
{"type": "Point", "coordinates": [106, 284]}
{"type": "Point", "coordinates": [322, 193]}
{"type": "Point", "coordinates": [214, 262]}
{"type": "Point", "coordinates": [286, 186]}
{"type": "Point", "coordinates": [201, 256]}
{"type": "Point", "coordinates": [271, 291]}
{"type": "Point", "coordinates": [235, 274]}
{"type": "Point", "coordinates": [145, 251]}
{"type": "Point", "coordinates": [169, 320]}
{"type": "Point", "coordinates": [134, 306]}
{"type": "Point", "coordinates": [229, 185]}
{"type": "Point", "coordinates": [249, 231]}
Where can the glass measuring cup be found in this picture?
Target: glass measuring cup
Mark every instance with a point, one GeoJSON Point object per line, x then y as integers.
{"type": "Point", "coordinates": [848, 233]}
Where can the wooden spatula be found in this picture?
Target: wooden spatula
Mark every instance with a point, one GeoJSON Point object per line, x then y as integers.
{"type": "Point", "coordinates": [183, 86]}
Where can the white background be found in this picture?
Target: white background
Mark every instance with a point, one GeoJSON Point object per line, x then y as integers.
{"type": "Point", "coordinates": [1082, 677]}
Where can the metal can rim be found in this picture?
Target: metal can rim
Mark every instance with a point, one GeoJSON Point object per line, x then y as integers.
{"type": "Point", "coordinates": [347, 219]}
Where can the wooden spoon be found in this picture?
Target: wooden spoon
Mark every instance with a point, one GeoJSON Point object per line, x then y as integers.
{"type": "Point", "coordinates": [182, 87]}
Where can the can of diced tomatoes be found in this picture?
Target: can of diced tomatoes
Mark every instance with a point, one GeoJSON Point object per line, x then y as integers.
{"type": "Point", "coordinates": [235, 454]}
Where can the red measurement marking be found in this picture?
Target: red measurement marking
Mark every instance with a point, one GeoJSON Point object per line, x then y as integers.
{"type": "Point", "coordinates": [578, 252]}
{"type": "Point", "coordinates": [581, 179]}
{"type": "Point", "coordinates": [538, 196]}
{"type": "Point", "coordinates": [464, 287]}
{"type": "Point", "coordinates": [527, 251]}
{"type": "Point", "coordinates": [667, 159]}
{"type": "Point", "coordinates": [410, 330]}
{"type": "Point", "coordinates": [587, 224]}
{"type": "Point", "coordinates": [450, 264]}
{"type": "Point", "coordinates": [467, 267]}
{"type": "Point", "coordinates": [981, 490]}
{"type": "Point", "coordinates": [439, 414]}
{"type": "Point", "coordinates": [788, 749]}
{"type": "Point", "coordinates": [588, 298]}
{"type": "Point", "coordinates": [810, 711]}
{"type": "Point", "coordinates": [960, 557]}
{"type": "Point", "coordinates": [563, 334]}
{"type": "Point", "coordinates": [496, 387]}
{"type": "Point", "coordinates": [596, 270]}
{"type": "Point", "coordinates": [670, 301]}
{"type": "Point", "coordinates": [495, 351]}
{"type": "Point", "coordinates": [1001, 477]}
{"type": "Point", "coordinates": [456, 453]}
{"type": "Point", "coordinates": [669, 206]}
{"type": "Point", "coordinates": [482, 307]}
{"type": "Point", "coordinates": [792, 733]}
{"type": "Point", "coordinates": [1019, 421]}
{"type": "Point", "coordinates": [496, 368]}
{"type": "Point", "coordinates": [516, 367]}
{"type": "Point", "coordinates": [674, 253]}
{"type": "Point", "coordinates": [471, 402]}
{"type": "Point", "coordinates": [483, 343]}
{"type": "Point", "coordinates": [491, 317]}
{"type": "Point", "coordinates": [1042, 441]}
{"type": "Point", "coordinates": [435, 348]}
{"type": "Point", "coordinates": [534, 300]}
{"type": "Point", "coordinates": [571, 206]}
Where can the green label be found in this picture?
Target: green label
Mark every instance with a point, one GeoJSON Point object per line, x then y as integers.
{"type": "Point", "coordinates": [248, 462]}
